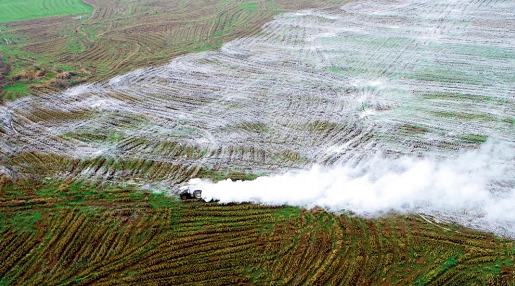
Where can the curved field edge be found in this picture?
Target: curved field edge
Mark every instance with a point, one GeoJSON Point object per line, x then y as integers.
{"type": "Point", "coordinates": [49, 54]}
{"type": "Point", "coordinates": [62, 233]}
{"type": "Point", "coordinates": [16, 10]}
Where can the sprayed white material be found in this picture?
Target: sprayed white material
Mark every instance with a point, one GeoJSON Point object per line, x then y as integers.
{"type": "Point", "coordinates": [461, 189]}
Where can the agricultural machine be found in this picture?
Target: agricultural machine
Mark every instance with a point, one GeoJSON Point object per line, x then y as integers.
{"type": "Point", "coordinates": [190, 191]}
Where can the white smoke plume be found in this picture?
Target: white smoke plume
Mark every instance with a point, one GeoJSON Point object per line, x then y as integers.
{"type": "Point", "coordinates": [475, 188]}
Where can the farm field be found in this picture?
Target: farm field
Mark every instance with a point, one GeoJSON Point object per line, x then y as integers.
{"type": "Point", "coordinates": [83, 44]}
{"type": "Point", "coordinates": [373, 141]}
{"type": "Point", "coordinates": [16, 10]}
{"type": "Point", "coordinates": [310, 88]}
{"type": "Point", "coordinates": [74, 234]}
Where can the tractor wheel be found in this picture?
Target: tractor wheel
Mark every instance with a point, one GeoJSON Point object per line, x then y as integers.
{"type": "Point", "coordinates": [197, 194]}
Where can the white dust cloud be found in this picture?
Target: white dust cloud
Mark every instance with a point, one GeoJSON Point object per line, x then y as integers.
{"type": "Point", "coordinates": [475, 185]}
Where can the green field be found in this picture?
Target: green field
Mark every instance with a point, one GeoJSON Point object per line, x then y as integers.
{"type": "Point", "coordinates": [17, 10]}
{"type": "Point", "coordinates": [61, 233]}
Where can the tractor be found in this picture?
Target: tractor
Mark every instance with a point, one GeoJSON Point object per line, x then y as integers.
{"type": "Point", "coordinates": [190, 192]}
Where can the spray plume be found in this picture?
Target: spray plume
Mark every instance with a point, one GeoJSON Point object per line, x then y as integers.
{"type": "Point", "coordinates": [473, 188]}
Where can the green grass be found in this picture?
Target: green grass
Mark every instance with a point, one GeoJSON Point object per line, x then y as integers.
{"type": "Point", "coordinates": [475, 137]}
{"type": "Point", "coordinates": [18, 10]}
{"type": "Point", "coordinates": [466, 116]}
{"type": "Point", "coordinates": [336, 70]}
{"type": "Point", "coordinates": [249, 6]}
{"type": "Point", "coordinates": [17, 87]}
{"type": "Point", "coordinates": [25, 220]}
{"type": "Point", "coordinates": [16, 90]}
{"type": "Point", "coordinates": [223, 175]}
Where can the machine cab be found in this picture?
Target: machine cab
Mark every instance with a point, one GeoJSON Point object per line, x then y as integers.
{"type": "Point", "coordinates": [190, 191]}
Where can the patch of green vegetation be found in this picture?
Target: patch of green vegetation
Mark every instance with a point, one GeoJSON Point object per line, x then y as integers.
{"type": "Point", "coordinates": [257, 127]}
{"type": "Point", "coordinates": [249, 6]}
{"type": "Point", "coordinates": [27, 72]}
{"type": "Point", "coordinates": [251, 176]}
{"type": "Point", "coordinates": [465, 97]}
{"type": "Point", "coordinates": [465, 116]}
{"type": "Point", "coordinates": [485, 51]}
{"type": "Point", "coordinates": [287, 212]}
{"type": "Point", "coordinates": [450, 262]}
{"type": "Point", "coordinates": [19, 88]}
{"type": "Point", "coordinates": [114, 137]}
{"type": "Point", "coordinates": [224, 175]}
{"type": "Point", "coordinates": [23, 221]}
{"type": "Point", "coordinates": [18, 10]}
{"type": "Point", "coordinates": [48, 190]}
{"type": "Point", "coordinates": [73, 44]}
{"type": "Point", "coordinates": [436, 73]}
{"type": "Point", "coordinates": [452, 96]}
{"type": "Point", "coordinates": [415, 128]}
{"type": "Point", "coordinates": [91, 30]}
{"type": "Point", "coordinates": [476, 138]}
{"type": "Point", "coordinates": [320, 125]}
{"type": "Point", "coordinates": [254, 273]}
{"type": "Point", "coordinates": [215, 176]}
{"type": "Point", "coordinates": [157, 200]}
{"type": "Point", "coordinates": [335, 69]}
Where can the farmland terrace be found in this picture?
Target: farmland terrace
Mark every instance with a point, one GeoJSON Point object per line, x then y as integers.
{"type": "Point", "coordinates": [322, 86]}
